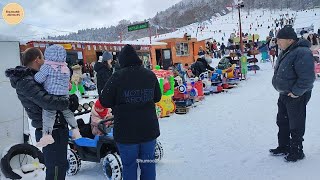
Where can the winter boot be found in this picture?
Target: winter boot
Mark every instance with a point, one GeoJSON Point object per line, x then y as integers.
{"type": "Point", "coordinates": [280, 151]}
{"type": "Point", "coordinates": [295, 153]}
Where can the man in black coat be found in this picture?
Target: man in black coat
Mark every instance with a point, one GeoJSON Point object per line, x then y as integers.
{"type": "Point", "coordinates": [200, 66]}
{"type": "Point", "coordinates": [34, 98]}
{"type": "Point", "coordinates": [132, 93]}
{"type": "Point", "coordinates": [104, 70]}
{"type": "Point", "coordinates": [223, 48]}
{"type": "Point", "coordinates": [293, 78]}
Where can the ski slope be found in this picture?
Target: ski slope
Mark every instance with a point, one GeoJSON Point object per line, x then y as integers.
{"type": "Point", "coordinates": [228, 24]}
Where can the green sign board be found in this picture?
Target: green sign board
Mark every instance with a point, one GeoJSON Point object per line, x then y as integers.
{"type": "Point", "coordinates": [138, 26]}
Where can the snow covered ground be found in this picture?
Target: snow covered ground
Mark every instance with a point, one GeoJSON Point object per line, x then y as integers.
{"type": "Point", "coordinates": [228, 136]}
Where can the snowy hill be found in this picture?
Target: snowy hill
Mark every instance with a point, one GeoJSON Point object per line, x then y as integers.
{"type": "Point", "coordinates": [181, 14]}
{"type": "Point", "coordinates": [219, 28]}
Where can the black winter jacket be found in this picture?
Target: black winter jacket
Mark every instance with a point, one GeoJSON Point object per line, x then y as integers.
{"type": "Point", "coordinates": [132, 93]}
{"type": "Point", "coordinates": [200, 66]}
{"type": "Point", "coordinates": [103, 75]}
{"type": "Point", "coordinates": [33, 96]}
{"type": "Point", "coordinates": [294, 69]}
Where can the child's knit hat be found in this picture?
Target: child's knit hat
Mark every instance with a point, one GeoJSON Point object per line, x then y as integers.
{"type": "Point", "coordinates": [102, 111]}
{"type": "Point", "coordinates": [55, 53]}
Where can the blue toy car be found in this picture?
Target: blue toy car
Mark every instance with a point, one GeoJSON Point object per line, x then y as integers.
{"type": "Point", "coordinates": [98, 148]}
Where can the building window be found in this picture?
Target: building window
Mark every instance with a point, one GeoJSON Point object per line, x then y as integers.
{"type": "Point", "coordinates": [182, 49]}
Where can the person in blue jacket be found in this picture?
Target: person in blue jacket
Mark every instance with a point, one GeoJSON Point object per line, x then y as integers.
{"type": "Point", "coordinates": [293, 78]}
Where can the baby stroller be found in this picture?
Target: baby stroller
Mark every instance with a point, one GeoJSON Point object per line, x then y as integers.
{"type": "Point", "coordinates": [98, 148]}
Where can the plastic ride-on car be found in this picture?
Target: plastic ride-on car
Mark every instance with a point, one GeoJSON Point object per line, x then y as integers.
{"type": "Point", "coordinates": [98, 148]}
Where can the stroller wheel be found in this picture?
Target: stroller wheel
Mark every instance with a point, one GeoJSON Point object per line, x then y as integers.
{"type": "Point", "coordinates": [112, 166]}
{"type": "Point", "coordinates": [74, 162]}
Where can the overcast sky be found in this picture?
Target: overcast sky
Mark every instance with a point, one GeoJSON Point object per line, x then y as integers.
{"type": "Point", "coordinates": [72, 15]}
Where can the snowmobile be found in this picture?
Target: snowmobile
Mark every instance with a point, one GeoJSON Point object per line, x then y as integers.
{"type": "Point", "coordinates": [98, 148]}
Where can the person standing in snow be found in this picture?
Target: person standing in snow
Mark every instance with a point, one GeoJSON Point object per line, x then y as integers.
{"type": "Point", "coordinates": [201, 52]}
{"type": "Point", "coordinates": [104, 70]}
{"type": "Point", "coordinates": [132, 93]}
{"type": "Point", "coordinates": [293, 78]}
{"type": "Point", "coordinates": [302, 32]}
{"type": "Point", "coordinates": [313, 40]}
{"type": "Point", "coordinates": [273, 50]}
{"type": "Point", "coordinates": [222, 48]}
{"type": "Point", "coordinates": [34, 98]}
{"type": "Point", "coordinates": [271, 34]}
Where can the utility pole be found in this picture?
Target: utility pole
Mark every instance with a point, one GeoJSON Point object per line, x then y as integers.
{"type": "Point", "coordinates": [120, 37]}
{"type": "Point", "coordinates": [150, 34]}
{"type": "Point", "coordinates": [239, 6]}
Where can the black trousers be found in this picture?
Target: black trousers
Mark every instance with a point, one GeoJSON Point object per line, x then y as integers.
{"type": "Point", "coordinates": [291, 118]}
{"type": "Point", "coordinates": [55, 155]}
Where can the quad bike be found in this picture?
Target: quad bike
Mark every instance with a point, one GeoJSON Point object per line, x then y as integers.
{"type": "Point", "coordinates": [98, 148]}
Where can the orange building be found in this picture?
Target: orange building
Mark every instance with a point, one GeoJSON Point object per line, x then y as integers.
{"type": "Point", "coordinates": [164, 53]}
{"type": "Point", "coordinates": [89, 51]}
{"type": "Point", "coordinates": [177, 50]}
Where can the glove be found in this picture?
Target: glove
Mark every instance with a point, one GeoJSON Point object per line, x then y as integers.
{"type": "Point", "coordinates": [108, 123]}
{"type": "Point", "coordinates": [65, 102]}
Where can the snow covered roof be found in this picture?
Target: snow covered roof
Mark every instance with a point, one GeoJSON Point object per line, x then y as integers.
{"type": "Point", "coordinates": [97, 42]}
{"type": "Point", "coordinates": [143, 43]}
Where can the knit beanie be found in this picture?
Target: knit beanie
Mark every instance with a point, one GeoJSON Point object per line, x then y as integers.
{"type": "Point", "coordinates": [55, 53]}
{"type": "Point", "coordinates": [102, 111]}
{"type": "Point", "coordinates": [106, 56]}
{"type": "Point", "coordinates": [287, 32]}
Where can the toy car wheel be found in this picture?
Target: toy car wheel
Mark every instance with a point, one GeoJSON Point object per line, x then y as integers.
{"type": "Point", "coordinates": [158, 154]}
{"type": "Point", "coordinates": [182, 88]}
{"type": "Point", "coordinates": [159, 111]}
{"type": "Point", "coordinates": [74, 162]}
{"type": "Point", "coordinates": [112, 166]}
